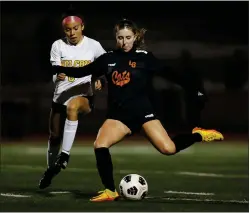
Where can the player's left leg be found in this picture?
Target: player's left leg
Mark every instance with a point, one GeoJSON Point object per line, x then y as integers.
{"type": "Point", "coordinates": [56, 123]}
{"type": "Point", "coordinates": [74, 107]}
{"type": "Point", "coordinates": [160, 139]}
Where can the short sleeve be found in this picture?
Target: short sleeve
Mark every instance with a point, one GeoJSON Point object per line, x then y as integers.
{"type": "Point", "coordinates": [55, 55]}
{"type": "Point", "coordinates": [99, 50]}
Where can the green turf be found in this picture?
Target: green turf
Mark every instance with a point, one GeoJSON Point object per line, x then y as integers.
{"type": "Point", "coordinates": [23, 164]}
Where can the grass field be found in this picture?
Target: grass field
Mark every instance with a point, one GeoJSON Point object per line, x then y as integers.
{"type": "Point", "coordinates": [206, 177]}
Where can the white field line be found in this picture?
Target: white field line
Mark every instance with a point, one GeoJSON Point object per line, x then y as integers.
{"type": "Point", "coordinates": [170, 199]}
{"type": "Point", "coordinates": [70, 169]}
{"type": "Point", "coordinates": [60, 192]}
{"type": "Point", "coordinates": [208, 200]}
{"type": "Point", "coordinates": [187, 193]}
{"type": "Point", "coordinates": [201, 174]}
{"type": "Point", "coordinates": [200, 200]}
{"type": "Point", "coordinates": [89, 150]}
{"type": "Point", "coordinates": [87, 170]}
{"type": "Point", "coordinates": [13, 195]}
{"type": "Point", "coordinates": [41, 168]}
{"type": "Point", "coordinates": [121, 150]}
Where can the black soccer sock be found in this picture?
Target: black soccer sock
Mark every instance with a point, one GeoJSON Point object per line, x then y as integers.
{"type": "Point", "coordinates": [182, 141]}
{"type": "Point", "coordinates": [105, 167]}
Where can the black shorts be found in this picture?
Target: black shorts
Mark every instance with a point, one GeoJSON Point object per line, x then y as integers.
{"type": "Point", "coordinates": [134, 114]}
{"type": "Point", "coordinates": [60, 108]}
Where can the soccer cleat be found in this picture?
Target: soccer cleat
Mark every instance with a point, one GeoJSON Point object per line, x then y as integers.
{"type": "Point", "coordinates": [196, 128]}
{"type": "Point", "coordinates": [62, 160]}
{"type": "Point", "coordinates": [47, 177]}
{"type": "Point", "coordinates": [209, 135]}
{"type": "Point", "coordinates": [105, 195]}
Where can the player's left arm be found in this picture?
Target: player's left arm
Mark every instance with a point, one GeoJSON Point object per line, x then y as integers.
{"type": "Point", "coordinates": [157, 67]}
{"type": "Point", "coordinates": [160, 69]}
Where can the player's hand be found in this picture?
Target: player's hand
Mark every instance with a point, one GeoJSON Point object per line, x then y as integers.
{"type": "Point", "coordinates": [98, 85]}
{"type": "Point", "coordinates": [61, 77]}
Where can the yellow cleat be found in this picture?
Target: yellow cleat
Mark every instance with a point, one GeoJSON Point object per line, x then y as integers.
{"type": "Point", "coordinates": [105, 195]}
{"type": "Point", "coordinates": [209, 135]}
{"type": "Point", "coordinates": [196, 128]}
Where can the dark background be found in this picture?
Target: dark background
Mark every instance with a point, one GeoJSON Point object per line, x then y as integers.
{"type": "Point", "coordinates": [216, 34]}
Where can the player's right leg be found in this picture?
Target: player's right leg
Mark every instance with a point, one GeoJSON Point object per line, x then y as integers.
{"type": "Point", "coordinates": [111, 132]}
{"type": "Point", "coordinates": [193, 113]}
{"type": "Point", "coordinates": [56, 122]}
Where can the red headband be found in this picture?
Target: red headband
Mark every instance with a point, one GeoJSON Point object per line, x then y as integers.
{"type": "Point", "coordinates": [70, 19]}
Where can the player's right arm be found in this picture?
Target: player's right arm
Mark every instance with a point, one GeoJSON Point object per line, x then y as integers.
{"type": "Point", "coordinates": [55, 59]}
{"type": "Point", "coordinates": [97, 68]}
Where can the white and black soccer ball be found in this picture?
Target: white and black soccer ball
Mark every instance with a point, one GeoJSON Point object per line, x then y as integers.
{"type": "Point", "coordinates": [133, 187]}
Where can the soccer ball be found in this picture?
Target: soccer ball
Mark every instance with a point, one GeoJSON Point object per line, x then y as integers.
{"type": "Point", "coordinates": [133, 187]}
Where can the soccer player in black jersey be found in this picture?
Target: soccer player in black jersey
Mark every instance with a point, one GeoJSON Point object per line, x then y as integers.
{"type": "Point", "coordinates": [128, 70]}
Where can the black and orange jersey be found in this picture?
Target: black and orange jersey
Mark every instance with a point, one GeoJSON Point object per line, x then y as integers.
{"type": "Point", "coordinates": [128, 74]}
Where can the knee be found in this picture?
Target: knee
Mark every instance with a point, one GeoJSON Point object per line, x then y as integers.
{"type": "Point", "coordinates": [86, 110]}
{"type": "Point", "coordinates": [168, 149]}
{"type": "Point", "coordinates": [101, 144]}
{"type": "Point", "coordinates": [72, 108]}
